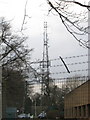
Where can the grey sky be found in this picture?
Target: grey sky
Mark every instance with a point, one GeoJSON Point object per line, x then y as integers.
{"type": "Point", "coordinates": [60, 41]}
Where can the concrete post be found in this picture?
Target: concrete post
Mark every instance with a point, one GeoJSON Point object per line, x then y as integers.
{"type": "Point", "coordinates": [0, 85]}
{"type": "Point", "coordinates": [0, 93]}
{"type": "Point", "coordinates": [89, 43]}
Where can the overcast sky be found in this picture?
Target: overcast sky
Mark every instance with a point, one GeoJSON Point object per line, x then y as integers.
{"type": "Point", "coordinates": [60, 41]}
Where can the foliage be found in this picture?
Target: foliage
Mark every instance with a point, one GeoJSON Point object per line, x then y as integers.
{"type": "Point", "coordinates": [28, 106]}
{"type": "Point", "coordinates": [57, 94]}
{"type": "Point", "coordinates": [13, 88]}
{"type": "Point", "coordinates": [73, 82]}
{"type": "Point", "coordinates": [14, 65]}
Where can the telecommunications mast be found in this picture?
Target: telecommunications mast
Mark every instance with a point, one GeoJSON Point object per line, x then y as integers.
{"type": "Point", "coordinates": [45, 64]}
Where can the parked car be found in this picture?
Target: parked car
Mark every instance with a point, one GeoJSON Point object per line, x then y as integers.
{"type": "Point", "coordinates": [21, 116]}
{"type": "Point", "coordinates": [42, 115]}
{"type": "Point", "coordinates": [24, 116]}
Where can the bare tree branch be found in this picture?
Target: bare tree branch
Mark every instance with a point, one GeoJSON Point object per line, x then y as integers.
{"type": "Point", "coordinates": [13, 48]}
{"type": "Point", "coordinates": [78, 3]}
{"type": "Point", "coordinates": [75, 23]}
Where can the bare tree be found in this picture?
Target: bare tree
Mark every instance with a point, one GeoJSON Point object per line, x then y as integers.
{"type": "Point", "coordinates": [76, 22]}
{"type": "Point", "coordinates": [14, 52]}
{"type": "Point", "coordinates": [14, 61]}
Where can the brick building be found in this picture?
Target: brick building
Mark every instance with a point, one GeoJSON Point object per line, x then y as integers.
{"type": "Point", "coordinates": [77, 103]}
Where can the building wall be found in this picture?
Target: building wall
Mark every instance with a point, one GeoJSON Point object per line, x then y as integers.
{"type": "Point", "coordinates": [77, 102]}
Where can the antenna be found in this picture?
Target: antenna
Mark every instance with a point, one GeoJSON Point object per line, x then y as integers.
{"type": "Point", "coordinates": [45, 63]}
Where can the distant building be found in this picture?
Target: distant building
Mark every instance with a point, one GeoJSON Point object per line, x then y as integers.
{"type": "Point", "coordinates": [77, 103]}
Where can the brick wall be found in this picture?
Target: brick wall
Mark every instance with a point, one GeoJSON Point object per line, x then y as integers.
{"type": "Point", "coordinates": [76, 103]}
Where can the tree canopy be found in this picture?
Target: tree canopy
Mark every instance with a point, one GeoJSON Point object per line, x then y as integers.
{"type": "Point", "coordinates": [14, 61]}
